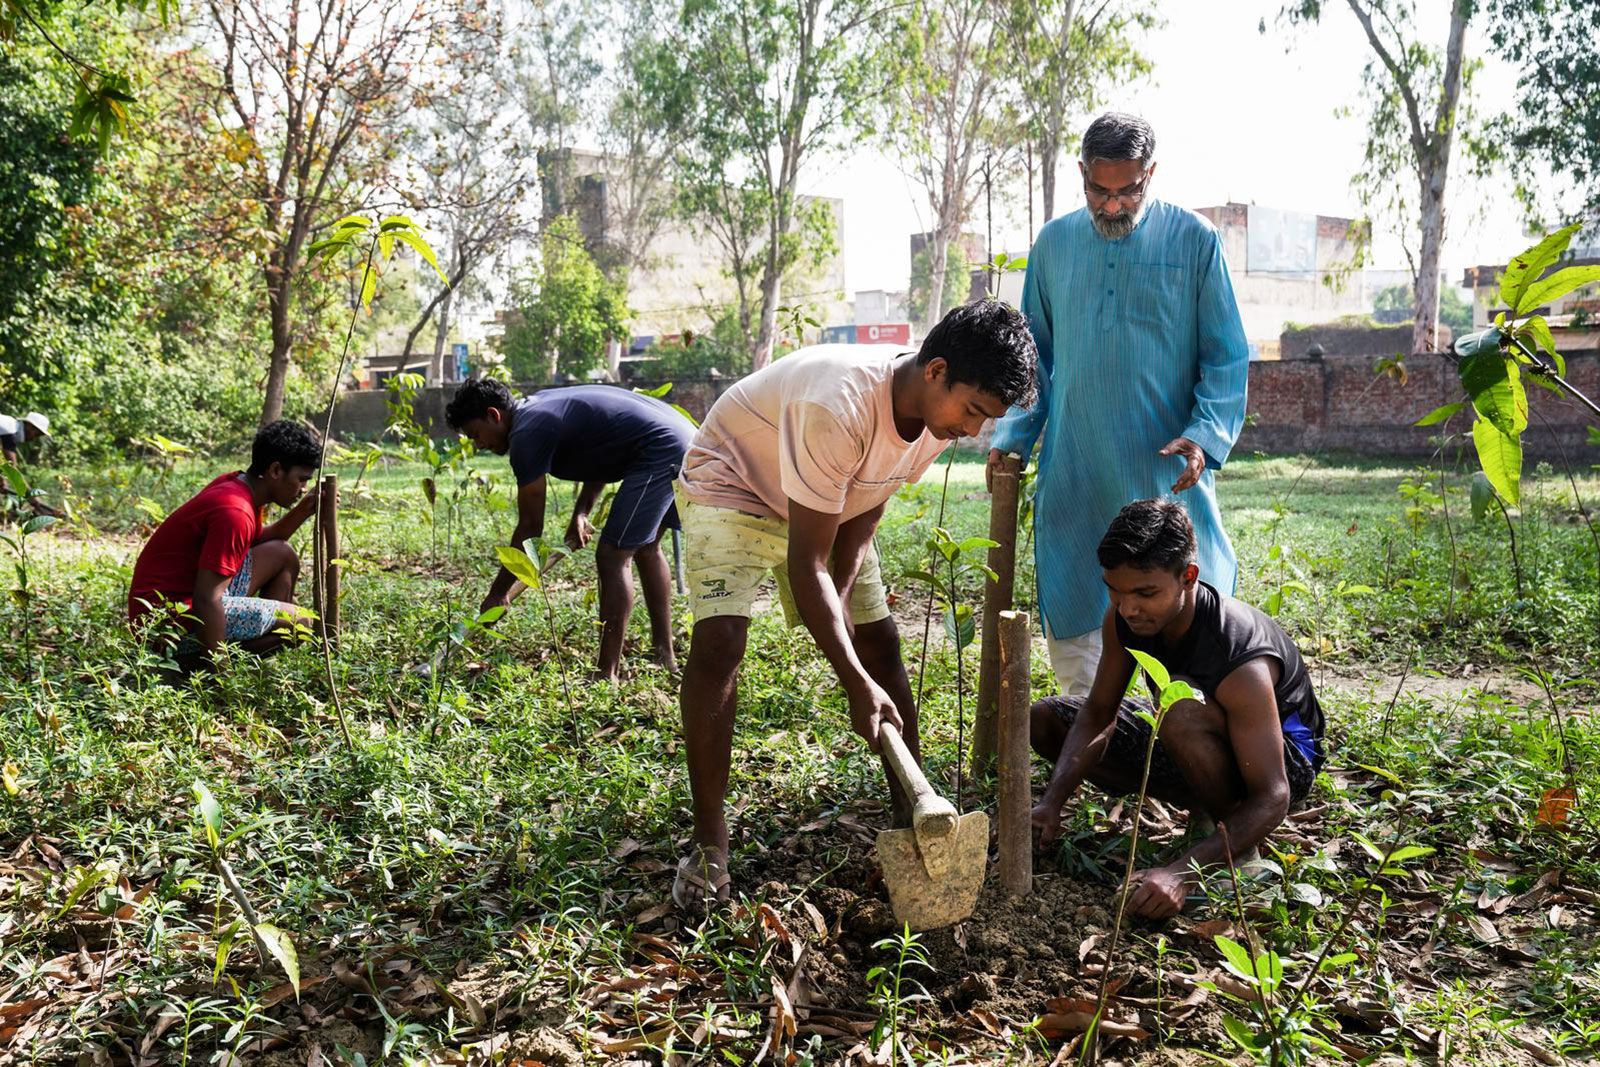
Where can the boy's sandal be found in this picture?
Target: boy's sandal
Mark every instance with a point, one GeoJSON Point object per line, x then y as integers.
{"type": "Point", "coordinates": [701, 880]}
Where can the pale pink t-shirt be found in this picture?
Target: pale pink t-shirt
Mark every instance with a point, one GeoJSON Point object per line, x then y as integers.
{"type": "Point", "coordinates": [816, 427]}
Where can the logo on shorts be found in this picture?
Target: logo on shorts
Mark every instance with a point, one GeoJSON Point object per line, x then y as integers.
{"type": "Point", "coordinates": [714, 588]}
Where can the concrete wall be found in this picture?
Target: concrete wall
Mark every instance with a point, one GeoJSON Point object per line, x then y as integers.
{"type": "Point", "coordinates": [364, 414]}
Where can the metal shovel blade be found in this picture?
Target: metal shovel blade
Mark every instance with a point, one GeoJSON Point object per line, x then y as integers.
{"type": "Point", "coordinates": [935, 881]}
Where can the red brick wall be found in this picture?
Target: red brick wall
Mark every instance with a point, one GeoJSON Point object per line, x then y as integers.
{"type": "Point", "coordinates": [1338, 403]}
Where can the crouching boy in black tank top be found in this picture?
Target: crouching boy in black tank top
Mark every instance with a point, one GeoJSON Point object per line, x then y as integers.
{"type": "Point", "coordinates": [1246, 752]}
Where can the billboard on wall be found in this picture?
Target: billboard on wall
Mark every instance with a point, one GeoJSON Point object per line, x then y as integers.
{"type": "Point", "coordinates": [1280, 242]}
{"type": "Point", "coordinates": [884, 333]}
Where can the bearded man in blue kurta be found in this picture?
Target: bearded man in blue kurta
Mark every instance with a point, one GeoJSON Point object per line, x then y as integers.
{"type": "Point", "coordinates": [1143, 367]}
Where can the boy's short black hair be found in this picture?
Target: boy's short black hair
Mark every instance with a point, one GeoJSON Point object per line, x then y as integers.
{"type": "Point", "coordinates": [474, 399]}
{"type": "Point", "coordinates": [293, 444]}
{"type": "Point", "coordinates": [986, 344]}
{"type": "Point", "coordinates": [1149, 535]}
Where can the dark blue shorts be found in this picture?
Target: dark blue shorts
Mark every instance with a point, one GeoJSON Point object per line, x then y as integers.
{"type": "Point", "coordinates": [642, 506]}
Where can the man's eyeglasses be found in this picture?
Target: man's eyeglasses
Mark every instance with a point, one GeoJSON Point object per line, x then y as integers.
{"type": "Point", "coordinates": [1128, 194]}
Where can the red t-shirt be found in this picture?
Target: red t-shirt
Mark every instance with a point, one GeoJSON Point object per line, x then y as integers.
{"type": "Point", "coordinates": [214, 530]}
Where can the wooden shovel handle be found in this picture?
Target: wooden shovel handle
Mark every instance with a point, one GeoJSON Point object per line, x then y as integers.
{"type": "Point", "coordinates": [931, 814]}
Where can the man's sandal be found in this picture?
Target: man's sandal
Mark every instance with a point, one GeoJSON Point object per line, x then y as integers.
{"type": "Point", "coordinates": [701, 880]}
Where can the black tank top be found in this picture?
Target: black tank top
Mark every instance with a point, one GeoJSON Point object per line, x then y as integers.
{"type": "Point", "coordinates": [1226, 634]}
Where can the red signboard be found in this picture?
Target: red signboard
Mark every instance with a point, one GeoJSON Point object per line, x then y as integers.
{"type": "Point", "coordinates": [884, 333]}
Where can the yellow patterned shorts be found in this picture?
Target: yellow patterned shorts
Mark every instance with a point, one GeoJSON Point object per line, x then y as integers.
{"type": "Point", "coordinates": [728, 554]}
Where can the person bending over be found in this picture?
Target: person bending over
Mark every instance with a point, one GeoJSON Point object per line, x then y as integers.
{"type": "Point", "coordinates": [594, 435]}
{"type": "Point", "coordinates": [789, 476]}
{"type": "Point", "coordinates": [218, 567]}
{"type": "Point", "coordinates": [1244, 752]}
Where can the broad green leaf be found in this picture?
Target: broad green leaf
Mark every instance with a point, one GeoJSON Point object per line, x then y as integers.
{"type": "Point", "coordinates": [385, 247]}
{"type": "Point", "coordinates": [369, 286]}
{"type": "Point", "coordinates": [1495, 385]}
{"type": "Point", "coordinates": [1152, 667]}
{"type": "Point", "coordinates": [1524, 270]}
{"type": "Point", "coordinates": [1242, 1035]}
{"type": "Point", "coordinates": [1173, 692]}
{"type": "Point", "coordinates": [1367, 846]}
{"type": "Point", "coordinates": [1306, 893]}
{"type": "Point", "coordinates": [1482, 495]}
{"type": "Point", "coordinates": [491, 616]}
{"type": "Point", "coordinates": [282, 949]}
{"type": "Point", "coordinates": [1380, 772]}
{"type": "Point", "coordinates": [1440, 414]}
{"type": "Point", "coordinates": [224, 946]}
{"type": "Point", "coordinates": [424, 250]}
{"type": "Point", "coordinates": [1536, 334]}
{"type": "Point", "coordinates": [431, 491]}
{"type": "Point", "coordinates": [37, 523]}
{"type": "Point", "coordinates": [1409, 852]}
{"type": "Point", "coordinates": [1500, 455]}
{"type": "Point", "coordinates": [1556, 286]}
{"type": "Point", "coordinates": [397, 222]}
{"type": "Point", "coordinates": [960, 625]}
{"type": "Point", "coordinates": [15, 479]}
{"type": "Point", "coordinates": [210, 814]}
{"type": "Point", "coordinates": [517, 562]}
{"type": "Point", "coordinates": [1342, 959]}
{"type": "Point", "coordinates": [9, 775]}
{"type": "Point", "coordinates": [658, 392]}
{"type": "Point", "coordinates": [972, 544]}
{"type": "Point", "coordinates": [1237, 956]}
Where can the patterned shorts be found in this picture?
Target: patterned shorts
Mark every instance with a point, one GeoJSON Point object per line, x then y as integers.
{"type": "Point", "coordinates": [1131, 737]}
{"type": "Point", "coordinates": [244, 617]}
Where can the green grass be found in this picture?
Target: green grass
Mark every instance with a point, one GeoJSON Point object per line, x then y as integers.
{"type": "Point", "coordinates": [489, 862]}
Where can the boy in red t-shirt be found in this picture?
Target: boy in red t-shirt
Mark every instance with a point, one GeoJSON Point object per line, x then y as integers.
{"type": "Point", "coordinates": [216, 566]}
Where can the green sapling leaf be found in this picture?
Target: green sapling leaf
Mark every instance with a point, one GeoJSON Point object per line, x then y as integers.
{"type": "Point", "coordinates": [282, 948]}
{"type": "Point", "coordinates": [210, 814]}
{"type": "Point", "coordinates": [517, 562]}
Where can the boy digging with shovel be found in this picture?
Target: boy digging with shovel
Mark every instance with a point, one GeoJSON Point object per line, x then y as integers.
{"type": "Point", "coordinates": [789, 475]}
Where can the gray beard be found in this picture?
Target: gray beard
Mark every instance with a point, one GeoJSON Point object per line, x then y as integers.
{"type": "Point", "coordinates": [1115, 227]}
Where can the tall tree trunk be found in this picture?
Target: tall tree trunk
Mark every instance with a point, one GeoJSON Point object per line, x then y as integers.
{"type": "Point", "coordinates": [938, 260]}
{"type": "Point", "coordinates": [441, 333]}
{"type": "Point", "coordinates": [1433, 165]}
{"type": "Point", "coordinates": [1049, 149]}
{"type": "Point", "coordinates": [278, 292]}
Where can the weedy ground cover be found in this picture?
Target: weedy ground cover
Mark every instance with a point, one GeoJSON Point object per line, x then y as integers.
{"type": "Point", "coordinates": [484, 877]}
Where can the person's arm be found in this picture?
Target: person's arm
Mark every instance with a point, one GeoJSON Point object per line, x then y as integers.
{"type": "Point", "coordinates": [1257, 739]}
{"type": "Point", "coordinates": [1217, 414]}
{"type": "Point", "coordinates": [1090, 734]}
{"type": "Point", "coordinates": [579, 529]}
{"type": "Point", "coordinates": [290, 521]}
{"type": "Point", "coordinates": [207, 608]}
{"type": "Point", "coordinates": [1020, 427]}
{"type": "Point", "coordinates": [850, 546]}
{"type": "Point", "coordinates": [811, 538]}
{"type": "Point", "coordinates": [530, 523]}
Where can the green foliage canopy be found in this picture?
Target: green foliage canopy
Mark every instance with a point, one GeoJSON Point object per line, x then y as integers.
{"type": "Point", "coordinates": [565, 310]}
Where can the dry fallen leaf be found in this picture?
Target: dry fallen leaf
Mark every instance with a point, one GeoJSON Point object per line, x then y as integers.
{"type": "Point", "coordinates": [1555, 807]}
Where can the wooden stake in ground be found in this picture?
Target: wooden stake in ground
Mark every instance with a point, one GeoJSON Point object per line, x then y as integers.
{"type": "Point", "coordinates": [998, 596]}
{"type": "Point", "coordinates": [329, 535]}
{"type": "Point", "coordinates": [1016, 788]}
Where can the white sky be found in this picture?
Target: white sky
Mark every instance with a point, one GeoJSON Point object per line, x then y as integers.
{"type": "Point", "coordinates": [1238, 116]}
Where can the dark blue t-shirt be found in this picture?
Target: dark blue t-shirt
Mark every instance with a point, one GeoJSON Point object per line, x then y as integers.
{"type": "Point", "coordinates": [594, 433]}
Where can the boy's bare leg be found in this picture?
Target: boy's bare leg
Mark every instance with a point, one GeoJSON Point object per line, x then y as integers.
{"type": "Point", "coordinates": [708, 698]}
{"type": "Point", "coordinates": [655, 579]}
{"type": "Point", "coordinates": [616, 605]}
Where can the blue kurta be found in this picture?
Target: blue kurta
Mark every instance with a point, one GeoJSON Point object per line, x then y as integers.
{"type": "Point", "coordinates": [1140, 342]}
